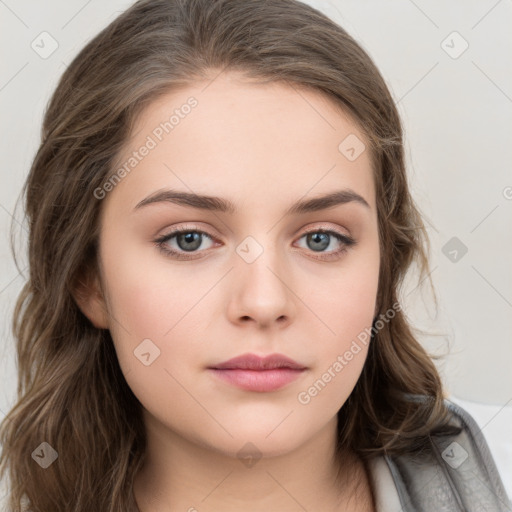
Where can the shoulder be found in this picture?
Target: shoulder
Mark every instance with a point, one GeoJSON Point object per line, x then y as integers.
{"type": "Point", "coordinates": [456, 472]}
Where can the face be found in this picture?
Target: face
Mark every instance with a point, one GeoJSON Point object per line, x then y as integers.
{"type": "Point", "coordinates": [254, 277]}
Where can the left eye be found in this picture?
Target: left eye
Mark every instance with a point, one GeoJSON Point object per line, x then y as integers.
{"type": "Point", "coordinates": [190, 240]}
{"type": "Point", "coordinates": [320, 239]}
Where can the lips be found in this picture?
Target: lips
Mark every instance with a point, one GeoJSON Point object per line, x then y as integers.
{"type": "Point", "coordinates": [254, 373]}
{"type": "Point", "coordinates": [255, 362]}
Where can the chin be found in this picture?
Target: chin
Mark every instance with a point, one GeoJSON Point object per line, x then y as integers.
{"type": "Point", "coordinates": [256, 443]}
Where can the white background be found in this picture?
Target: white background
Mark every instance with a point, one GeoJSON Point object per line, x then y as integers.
{"type": "Point", "coordinates": [457, 112]}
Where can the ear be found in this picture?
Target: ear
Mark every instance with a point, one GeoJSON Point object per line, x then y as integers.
{"type": "Point", "coordinates": [90, 299]}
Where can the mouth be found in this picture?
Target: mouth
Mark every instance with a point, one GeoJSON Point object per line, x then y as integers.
{"type": "Point", "coordinates": [258, 380]}
{"type": "Point", "coordinates": [261, 374]}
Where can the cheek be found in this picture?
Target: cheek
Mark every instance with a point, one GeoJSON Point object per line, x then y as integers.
{"type": "Point", "coordinates": [148, 305]}
{"type": "Point", "coordinates": [342, 350]}
{"type": "Point", "coordinates": [148, 296]}
{"type": "Point", "coordinates": [156, 331]}
{"type": "Point", "coordinates": [345, 301]}
{"type": "Point", "coordinates": [156, 308]}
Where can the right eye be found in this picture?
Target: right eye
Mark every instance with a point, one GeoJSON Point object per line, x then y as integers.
{"type": "Point", "coordinates": [187, 240]}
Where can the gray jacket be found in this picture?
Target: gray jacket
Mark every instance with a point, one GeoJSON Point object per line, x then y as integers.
{"type": "Point", "coordinates": [458, 473]}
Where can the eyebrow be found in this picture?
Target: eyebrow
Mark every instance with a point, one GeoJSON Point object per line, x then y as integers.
{"type": "Point", "coordinates": [219, 204]}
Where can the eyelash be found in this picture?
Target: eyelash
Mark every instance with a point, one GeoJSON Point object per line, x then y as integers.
{"type": "Point", "coordinates": [160, 242]}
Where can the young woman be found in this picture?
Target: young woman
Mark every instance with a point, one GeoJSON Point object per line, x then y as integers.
{"type": "Point", "coordinates": [220, 222]}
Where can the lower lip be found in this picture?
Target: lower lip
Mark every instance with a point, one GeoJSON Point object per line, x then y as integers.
{"type": "Point", "coordinates": [258, 380]}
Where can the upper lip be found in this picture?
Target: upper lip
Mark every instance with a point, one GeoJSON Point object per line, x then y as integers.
{"type": "Point", "coordinates": [255, 362]}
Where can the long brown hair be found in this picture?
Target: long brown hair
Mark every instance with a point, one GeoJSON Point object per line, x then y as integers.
{"type": "Point", "coordinates": [71, 391]}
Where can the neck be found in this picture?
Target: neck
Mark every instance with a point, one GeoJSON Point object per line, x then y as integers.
{"type": "Point", "coordinates": [179, 474]}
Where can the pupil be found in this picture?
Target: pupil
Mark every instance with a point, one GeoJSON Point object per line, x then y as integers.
{"type": "Point", "coordinates": [189, 238]}
{"type": "Point", "coordinates": [322, 238]}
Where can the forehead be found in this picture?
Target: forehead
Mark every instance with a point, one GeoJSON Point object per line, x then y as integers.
{"type": "Point", "coordinates": [255, 143]}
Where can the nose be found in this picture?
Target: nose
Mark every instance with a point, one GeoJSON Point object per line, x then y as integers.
{"type": "Point", "coordinates": [262, 293]}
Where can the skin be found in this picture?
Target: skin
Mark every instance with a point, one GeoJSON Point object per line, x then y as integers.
{"type": "Point", "coordinates": [263, 146]}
